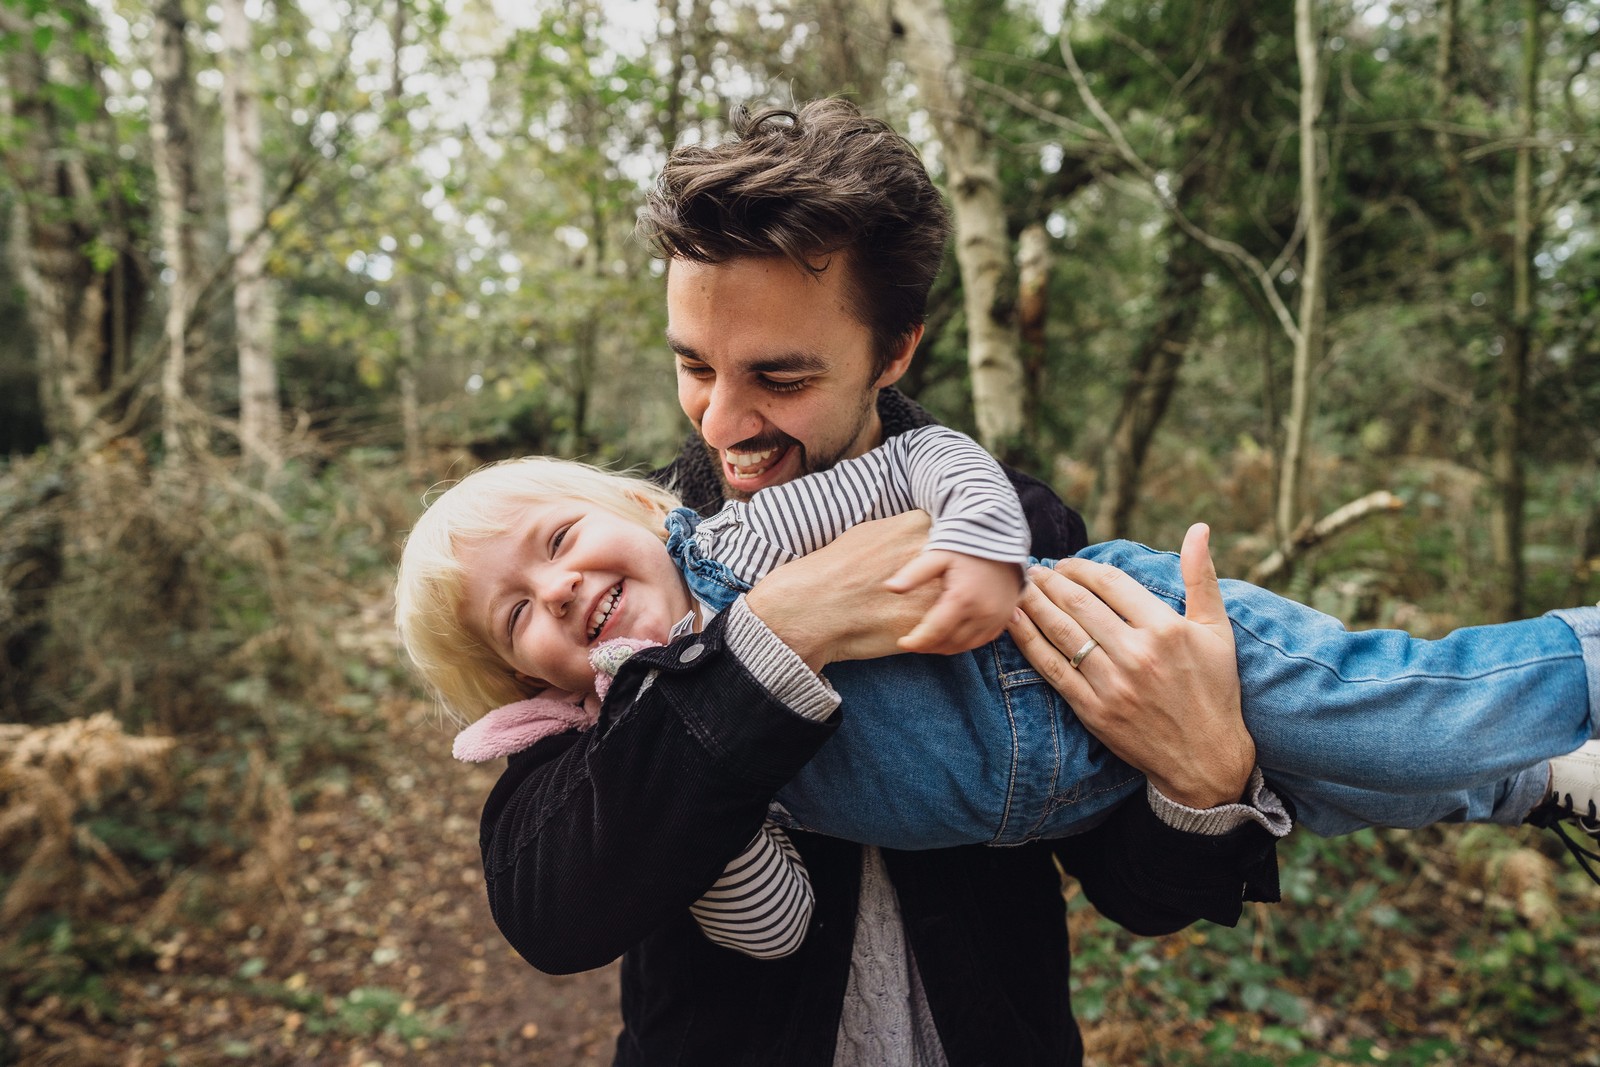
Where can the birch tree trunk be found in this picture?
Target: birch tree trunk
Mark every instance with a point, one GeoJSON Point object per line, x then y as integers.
{"type": "Point", "coordinates": [171, 136]}
{"type": "Point", "coordinates": [69, 237]}
{"type": "Point", "coordinates": [406, 305]}
{"type": "Point", "coordinates": [983, 246]}
{"type": "Point", "coordinates": [407, 334]}
{"type": "Point", "coordinates": [253, 306]}
{"type": "Point", "coordinates": [1034, 267]}
{"type": "Point", "coordinates": [1308, 344]}
{"type": "Point", "coordinates": [1511, 392]}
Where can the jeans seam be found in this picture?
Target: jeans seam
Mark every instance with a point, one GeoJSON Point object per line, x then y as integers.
{"type": "Point", "coordinates": [1011, 777]}
{"type": "Point", "coordinates": [1521, 665]}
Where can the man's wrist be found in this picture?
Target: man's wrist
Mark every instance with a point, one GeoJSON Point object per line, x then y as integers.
{"type": "Point", "coordinates": [783, 614]}
{"type": "Point", "coordinates": [1220, 774]}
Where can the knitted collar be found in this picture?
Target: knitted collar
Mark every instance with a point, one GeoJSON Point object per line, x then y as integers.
{"type": "Point", "coordinates": [695, 477]}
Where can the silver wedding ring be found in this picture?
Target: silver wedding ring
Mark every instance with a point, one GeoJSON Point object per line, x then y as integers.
{"type": "Point", "coordinates": [1088, 647]}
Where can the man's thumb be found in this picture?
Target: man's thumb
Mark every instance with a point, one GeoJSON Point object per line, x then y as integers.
{"type": "Point", "coordinates": [1200, 578]}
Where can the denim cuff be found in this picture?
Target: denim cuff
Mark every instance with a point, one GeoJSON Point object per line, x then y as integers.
{"type": "Point", "coordinates": [1585, 622]}
{"type": "Point", "coordinates": [777, 666]}
{"type": "Point", "coordinates": [1260, 805]}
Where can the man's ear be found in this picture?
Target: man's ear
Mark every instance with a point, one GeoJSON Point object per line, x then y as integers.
{"type": "Point", "coordinates": [902, 360]}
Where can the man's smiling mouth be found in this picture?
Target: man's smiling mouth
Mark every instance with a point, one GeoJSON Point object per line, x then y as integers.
{"type": "Point", "coordinates": [743, 465]}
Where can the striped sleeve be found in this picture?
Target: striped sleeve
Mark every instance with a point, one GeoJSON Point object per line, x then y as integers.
{"type": "Point", "coordinates": [761, 905]}
{"type": "Point", "coordinates": [974, 506]}
{"type": "Point", "coordinates": [975, 510]}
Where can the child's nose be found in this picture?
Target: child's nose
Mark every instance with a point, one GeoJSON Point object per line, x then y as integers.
{"type": "Point", "coordinates": [559, 588]}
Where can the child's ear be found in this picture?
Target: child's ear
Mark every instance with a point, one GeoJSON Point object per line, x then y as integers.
{"type": "Point", "coordinates": [651, 506]}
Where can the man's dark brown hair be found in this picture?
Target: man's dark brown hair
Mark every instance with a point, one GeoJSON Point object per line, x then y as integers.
{"type": "Point", "coordinates": [817, 186]}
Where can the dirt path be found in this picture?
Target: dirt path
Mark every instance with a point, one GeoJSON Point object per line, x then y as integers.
{"type": "Point", "coordinates": [371, 945]}
{"type": "Point", "coordinates": [392, 870]}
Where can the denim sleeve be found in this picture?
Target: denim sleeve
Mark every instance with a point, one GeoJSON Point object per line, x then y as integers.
{"type": "Point", "coordinates": [1585, 622]}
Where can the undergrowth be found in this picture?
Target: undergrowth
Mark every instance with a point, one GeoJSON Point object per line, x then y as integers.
{"type": "Point", "coordinates": [186, 631]}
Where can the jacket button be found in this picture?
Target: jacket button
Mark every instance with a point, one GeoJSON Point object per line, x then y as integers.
{"type": "Point", "coordinates": [690, 654]}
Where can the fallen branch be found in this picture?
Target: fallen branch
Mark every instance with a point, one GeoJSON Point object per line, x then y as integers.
{"type": "Point", "coordinates": [1310, 534]}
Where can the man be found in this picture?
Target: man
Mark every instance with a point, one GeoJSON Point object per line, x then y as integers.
{"type": "Point", "coordinates": [800, 256]}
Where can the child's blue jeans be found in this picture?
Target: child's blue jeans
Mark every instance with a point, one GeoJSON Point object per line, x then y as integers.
{"type": "Point", "coordinates": [1366, 728]}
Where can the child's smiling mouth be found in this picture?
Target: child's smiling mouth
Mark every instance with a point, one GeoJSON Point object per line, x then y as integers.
{"type": "Point", "coordinates": [603, 611]}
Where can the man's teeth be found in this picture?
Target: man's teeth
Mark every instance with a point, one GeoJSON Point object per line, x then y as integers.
{"type": "Point", "coordinates": [597, 621]}
{"type": "Point", "coordinates": [746, 462]}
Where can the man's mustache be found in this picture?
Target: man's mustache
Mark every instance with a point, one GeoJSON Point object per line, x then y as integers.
{"type": "Point", "coordinates": [759, 444]}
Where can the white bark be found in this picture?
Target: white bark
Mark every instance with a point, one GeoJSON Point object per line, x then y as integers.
{"type": "Point", "coordinates": [171, 135]}
{"type": "Point", "coordinates": [406, 374]}
{"type": "Point", "coordinates": [253, 305]}
{"type": "Point", "coordinates": [983, 248]}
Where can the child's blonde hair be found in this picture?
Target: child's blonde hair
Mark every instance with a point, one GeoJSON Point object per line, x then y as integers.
{"type": "Point", "coordinates": [467, 676]}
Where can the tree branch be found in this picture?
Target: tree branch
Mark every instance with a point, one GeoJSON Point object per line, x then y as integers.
{"type": "Point", "coordinates": [1164, 196]}
{"type": "Point", "coordinates": [1310, 534]}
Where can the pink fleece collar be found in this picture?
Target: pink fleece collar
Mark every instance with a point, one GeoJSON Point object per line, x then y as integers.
{"type": "Point", "coordinates": [514, 727]}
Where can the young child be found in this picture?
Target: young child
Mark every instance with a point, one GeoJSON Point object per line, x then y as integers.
{"type": "Point", "coordinates": [516, 576]}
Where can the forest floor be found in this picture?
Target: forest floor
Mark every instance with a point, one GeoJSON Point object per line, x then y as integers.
{"type": "Point", "coordinates": [394, 958]}
{"type": "Point", "coordinates": [381, 951]}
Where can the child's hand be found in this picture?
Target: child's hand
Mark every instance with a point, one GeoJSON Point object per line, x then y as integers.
{"type": "Point", "coordinates": [976, 605]}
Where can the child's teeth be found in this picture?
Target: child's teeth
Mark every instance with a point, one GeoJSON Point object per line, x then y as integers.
{"type": "Point", "coordinates": [603, 612]}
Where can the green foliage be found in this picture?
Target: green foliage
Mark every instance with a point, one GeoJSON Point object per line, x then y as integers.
{"type": "Point", "coordinates": [369, 1011]}
{"type": "Point", "coordinates": [55, 957]}
{"type": "Point", "coordinates": [1419, 923]}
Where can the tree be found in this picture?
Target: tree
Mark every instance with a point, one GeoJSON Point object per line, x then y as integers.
{"type": "Point", "coordinates": [172, 137]}
{"type": "Point", "coordinates": [74, 226]}
{"type": "Point", "coordinates": [244, 184]}
{"type": "Point", "coordinates": [1308, 337]}
{"type": "Point", "coordinates": [983, 245]}
{"type": "Point", "coordinates": [1203, 160]}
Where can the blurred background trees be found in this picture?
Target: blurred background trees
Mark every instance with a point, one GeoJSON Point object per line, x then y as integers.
{"type": "Point", "coordinates": [1326, 275]}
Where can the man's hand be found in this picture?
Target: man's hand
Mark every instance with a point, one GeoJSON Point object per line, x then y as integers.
{"type": "Point", "coordinates": [835, 605]}
{"type": "Point", "coordinates": [978, 598]}
{"type": "Point", "coordinates": [1161, 690]}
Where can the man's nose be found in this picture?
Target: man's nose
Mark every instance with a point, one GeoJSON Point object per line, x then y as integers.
{"type": "Point", "coordinates": [730, 416]}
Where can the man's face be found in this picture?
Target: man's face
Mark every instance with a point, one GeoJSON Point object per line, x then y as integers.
{"type": "Point", "coordinates": [774, 369]}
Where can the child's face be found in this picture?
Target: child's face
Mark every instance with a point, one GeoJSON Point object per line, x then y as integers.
{"type": "Point", "coordinates": [566, 576]}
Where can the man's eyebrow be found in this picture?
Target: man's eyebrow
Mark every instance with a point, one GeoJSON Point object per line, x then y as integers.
{"type": "Point", "coordinates": [680, 348]}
